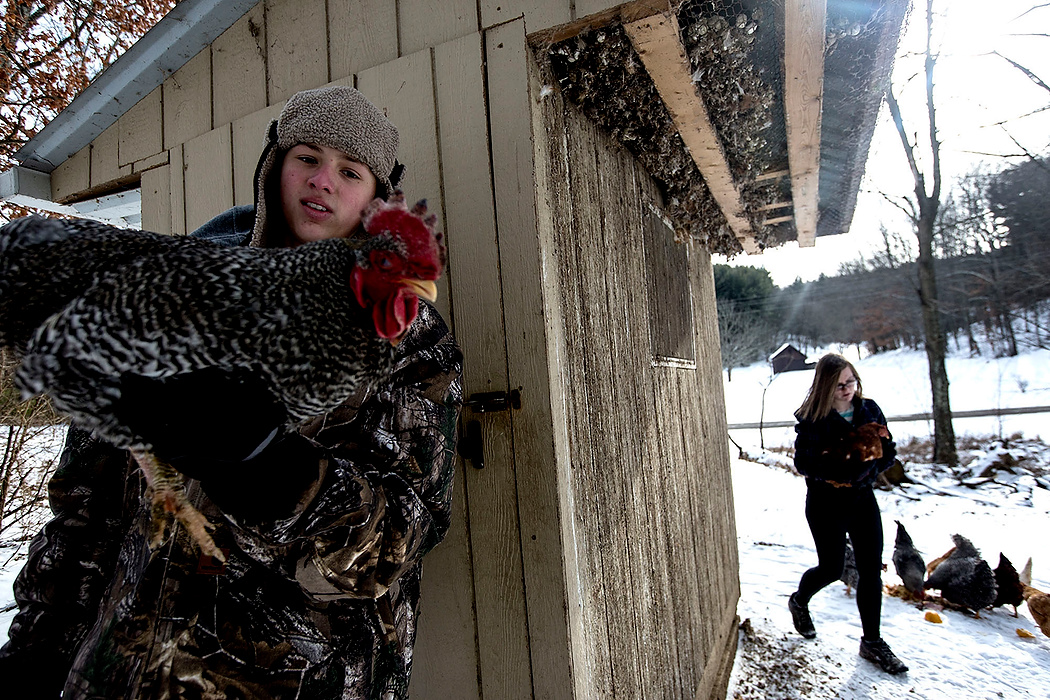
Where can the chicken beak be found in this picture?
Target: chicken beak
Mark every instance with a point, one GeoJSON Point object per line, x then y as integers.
{"type": "Point", "coordinates": [425, 289]}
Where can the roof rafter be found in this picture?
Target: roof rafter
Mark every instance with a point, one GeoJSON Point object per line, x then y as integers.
{"type": "Point", "coordinates": [804, 32]}
{"type": "Point", "coordinates": [658, 42]}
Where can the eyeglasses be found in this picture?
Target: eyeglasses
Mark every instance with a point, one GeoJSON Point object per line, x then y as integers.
{"type": "Point", "coordinates": [846, 385]}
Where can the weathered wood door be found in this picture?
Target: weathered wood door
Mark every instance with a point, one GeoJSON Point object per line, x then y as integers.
{"type": "Point", "coordinates": [462, 110]}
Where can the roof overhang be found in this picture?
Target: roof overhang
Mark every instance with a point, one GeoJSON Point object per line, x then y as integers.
{"type": "Point", "coordinates": [31, 188]}
{"type": "Point", "coordinates": [822, 66]}
{"type": "Point", "coordinates": [179, 36]}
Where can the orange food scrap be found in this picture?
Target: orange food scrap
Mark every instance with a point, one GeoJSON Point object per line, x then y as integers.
{"type": "Point", "coordinates": [1025, 633]}
{"type": "Point", "coordinates": [931, 616]}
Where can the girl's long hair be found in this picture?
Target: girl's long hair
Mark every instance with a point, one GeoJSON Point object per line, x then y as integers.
{"type": "Point", "coordinates": [821, 396]}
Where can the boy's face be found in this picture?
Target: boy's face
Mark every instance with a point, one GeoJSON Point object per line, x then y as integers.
{"type": "Point", "coordinates": [323, 192]}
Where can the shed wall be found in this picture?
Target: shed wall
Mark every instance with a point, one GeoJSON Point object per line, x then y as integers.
{"type": "Point", "coordinates": [606, 497]}
{"type": "Point", "coordinates": [649, 490]}
{"type": "Point", "coordinates": [276, 49]}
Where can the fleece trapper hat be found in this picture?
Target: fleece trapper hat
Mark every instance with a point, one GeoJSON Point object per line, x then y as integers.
{"type": "Point", "coordinates": [338, 117]}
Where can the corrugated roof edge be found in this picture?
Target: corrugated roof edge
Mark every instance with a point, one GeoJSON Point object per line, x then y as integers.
{"type": "Point", "coordinates": [179, 36]}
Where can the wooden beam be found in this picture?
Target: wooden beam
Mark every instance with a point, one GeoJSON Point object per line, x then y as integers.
{"type": "Point", "coordinates": [804, 31]}
{"type": "Point", "coordinates": [775, 205]}
{"type": "Point", "coordinates": [658, 43]}
{"type": "Point", "coordinates": [777, 220]}
{"type": "Point", "coordinates": [621, 14]}
{"type": "Point", "coordinates": [772, 175]}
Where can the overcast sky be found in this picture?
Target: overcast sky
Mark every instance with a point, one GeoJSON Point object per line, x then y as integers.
{"type": "Point", "coordinates": [974, 91]}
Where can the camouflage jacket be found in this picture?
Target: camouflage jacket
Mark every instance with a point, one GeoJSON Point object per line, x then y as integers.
{"type": "Point", "coordinates": [320, 603]}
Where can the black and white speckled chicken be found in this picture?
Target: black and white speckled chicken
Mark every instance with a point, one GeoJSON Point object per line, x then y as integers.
{"type": "Point", "coordinates": [908, 563]}
{"type": "Point", "coordinates": [964, 578]}
{"type": "Point", "coordinates": [91, 309]}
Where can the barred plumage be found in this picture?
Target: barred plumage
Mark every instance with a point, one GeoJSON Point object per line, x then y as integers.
{"type": "Point", "coordinates": [89, 306]}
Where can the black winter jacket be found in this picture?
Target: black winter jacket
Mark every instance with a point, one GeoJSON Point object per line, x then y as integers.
{"type": "Point", "coordinates": [822, 447]}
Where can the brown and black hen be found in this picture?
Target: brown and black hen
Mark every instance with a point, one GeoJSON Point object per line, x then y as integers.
{"type": "Point", "coordinates": [1039, 607]}
{"type": "Point", "coordinates": [91, 308]}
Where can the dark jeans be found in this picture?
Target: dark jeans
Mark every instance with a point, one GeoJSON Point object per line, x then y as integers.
{"type": "Point", "coordinates": [832, 512]}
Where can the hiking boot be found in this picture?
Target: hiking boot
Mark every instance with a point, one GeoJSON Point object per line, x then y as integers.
{"type": "Point", "coordinates": [800, 616]}
{"type": "Point", "coordinates": [879, 652]}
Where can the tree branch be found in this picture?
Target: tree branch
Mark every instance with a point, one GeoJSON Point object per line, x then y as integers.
{"type": "Point", "coordinates": [1031, 76]}
{"type": "Point", "coordinates": [1033, 8]}
{"type": "Point", "coordinates": [935, 145]}
{"type": "Point", "coordinates": [909, 150]}
{"type": "Point", "coordinates": [910, 213]}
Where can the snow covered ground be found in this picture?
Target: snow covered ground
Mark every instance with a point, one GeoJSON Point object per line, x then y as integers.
{"type": "Point", "coordinates": [960, 658]}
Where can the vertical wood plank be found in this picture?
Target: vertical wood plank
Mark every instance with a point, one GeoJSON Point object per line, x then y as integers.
{"type": "Point", "coordinates": [632, 408]}
{"type": "Point", "coordinates": [355, 45]}
{"type": "Point", "coordinates": [238, 58]}
{"type": "Point", "coordinates": [659, 666]}
{"type": "Point", "coordinates": [72, 176]}
{"type": "Point", "coordinates": [249, 137]}
{"type": "Point", "coordinates": [405, 89]}
{"type": "Point", "coordinates": [187, 101]}
{"type": "Point", "coordinates": [539, 14]}
{"type": "Point", "coordinates": [450, 655]}
{"type": "Point", "coordinates": [444, 660]}
{"type": "Point", "coordinates": [426, 23]}
{"type": "Point", "coordinates": [604, 477]}
{"type": "Point", "coordinates": [138, 135]}
{"type": "Point", "coordinates": [156, 200]}
{"type": "Point", "coordinates": [296, 46]}
{"type": "Point", "coordinates": [536, 470]}
{"type": "Point", "coordinates": [572, 444]}
{"type": "Point", "coordinates": [716, 460]}
{"type": "Point", "coordinates": [104, 167]}
{"type": "Point", "coordinates": [177, 188]}
{"type": "Point", "coordinates": [208, 176]}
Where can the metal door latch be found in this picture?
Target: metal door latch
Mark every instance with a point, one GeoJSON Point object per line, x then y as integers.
{"type": "Point", "coordinates": [471, 445]}
{"type": "Point", "coordinates": [488, 401]}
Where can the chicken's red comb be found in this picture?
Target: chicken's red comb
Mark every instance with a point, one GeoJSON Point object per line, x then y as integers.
{"type": "Point", "coordinates": [415, 227]}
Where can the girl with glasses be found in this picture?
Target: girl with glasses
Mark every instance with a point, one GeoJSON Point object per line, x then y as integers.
{"type": "Point", "coordinates": [842, 445]}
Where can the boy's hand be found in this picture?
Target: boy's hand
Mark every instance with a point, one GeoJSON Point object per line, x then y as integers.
{"type": "Point", "coordinates": [212, 413]}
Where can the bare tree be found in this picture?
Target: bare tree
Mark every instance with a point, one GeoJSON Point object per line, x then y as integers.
{"type": "Point", "coordinates": [745, 334]}
{"type": "Point", "coordinates": [50, 51]}
{"type": "Point", "coordinates": [29, 441]}
{"type": "Point", "coordinates": [924, 218]}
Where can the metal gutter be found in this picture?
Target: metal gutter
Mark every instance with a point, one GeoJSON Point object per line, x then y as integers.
{"type": "Point", "coordinates": [179, 36]}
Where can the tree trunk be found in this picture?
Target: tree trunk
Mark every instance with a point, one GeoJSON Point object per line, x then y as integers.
{"type": "Point", "coordinates": [1007, 324]}
{"type": "Point", "coordinates": [943, 432]}
{"type": "Point", "coordinates": [975, 349]}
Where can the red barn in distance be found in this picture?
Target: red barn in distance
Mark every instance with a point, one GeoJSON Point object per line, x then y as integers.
{"type": "Point", "coordinates": [788, 358]}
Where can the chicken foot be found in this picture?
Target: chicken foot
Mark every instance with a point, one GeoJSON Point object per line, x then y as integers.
{"type": "Point", "coordinates": [169, 500]}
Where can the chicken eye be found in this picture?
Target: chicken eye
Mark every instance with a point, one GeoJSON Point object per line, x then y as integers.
{"type": "Point", "coordinates": [384, 260]}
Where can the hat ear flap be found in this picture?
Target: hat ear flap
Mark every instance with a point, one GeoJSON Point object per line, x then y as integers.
{"type": "Point", "coordinates": [396, 174]}
{"type": "Point", "coordinates": [263, 173]}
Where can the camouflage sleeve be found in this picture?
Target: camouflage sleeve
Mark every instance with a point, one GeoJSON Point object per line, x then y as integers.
{"type": "Point", "coordinates": [384, 490]}
{"type": "Point", "coordinates": [71, 560]}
